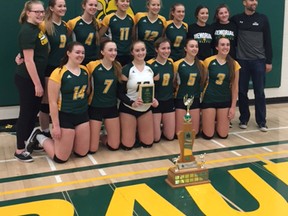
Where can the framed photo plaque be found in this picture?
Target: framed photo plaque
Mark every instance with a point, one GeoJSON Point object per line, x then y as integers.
{"type": "Point", "coordinates": [146, 93]}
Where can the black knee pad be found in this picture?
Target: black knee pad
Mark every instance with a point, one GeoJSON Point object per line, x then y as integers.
{"type": "Point", "coordinates": [157, 141]}
{"type": "Point", "coordinates": [125, 148]}
{"type": "Point", "coordinates": [164, 137]}
{"type": "Point", "coordinates": [57, 160]}
{"type": "Point", "coordinates": [221, 137]}
{"type": "Point", "coordinates": [78, 155]}
{"type": "Point", "coordinates": [110, 148]}
{"type": "Point", "coordinates": [45, 108]}
{"type": "Point", "coordinates": [146, 145]}
{"type": "Point", "coordinates": [204, 136]}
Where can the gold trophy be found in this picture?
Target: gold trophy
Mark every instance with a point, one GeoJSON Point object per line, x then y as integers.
{"type": "Point", "coordinates": [187, 171]}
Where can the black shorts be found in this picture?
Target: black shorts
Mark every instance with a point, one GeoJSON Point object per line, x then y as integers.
{"type": "Point", "coordinates": [164, 107]}
{"type": "Point", "coordinates": [219, 105]}
{"type": "Point", "coordinates": [125, 109]}
{"type": "Point", "coordinates": [49, 70]}
{"type": "Point", "coordinates": [70, 120]}
{"type": "Point", "coordinates": [100, 113]}
{"type": "Point", "coordinates": [179, 104]}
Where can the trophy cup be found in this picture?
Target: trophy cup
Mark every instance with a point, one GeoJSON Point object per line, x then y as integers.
{"type": "Point", "coordinates": [187, 171]}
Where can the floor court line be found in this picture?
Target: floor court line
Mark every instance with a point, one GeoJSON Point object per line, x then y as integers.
{"type": "Point", "coordinates": [244, 138]}
{"type": "Point", "coordinates": [236, 153]}
{"type": "Point", "coordinates": [119, 175]}
{"type": "Point", "coordinates": [232, 203]}
{"type": "Point", "coordinates": [218, 143]}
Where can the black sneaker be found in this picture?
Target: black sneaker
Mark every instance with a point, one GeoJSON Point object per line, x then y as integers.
{"type": "Point", "coordinates": [32, 141]}
{"type": "Point", "coordinates": [37, 148]}
{"type": "Point", "coordinates": [23, 156]}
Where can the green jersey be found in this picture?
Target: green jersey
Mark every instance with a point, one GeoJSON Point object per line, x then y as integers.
{"type": "Point", "coordinates": [218, 88]}
{"type": "Point", "coordinates": [104, 85]}
{"type": "Point", "coordinates": [148, 31]}
{"type": "Point", "coordinates": [72, 96]}
{"type": "Point", "coordinates": [85, 34]}
{"type": "Point", "coordinates": [31, 37]}
{"type": "Point", "coordinates": [164, 86]}
{"type": "Point", "coordinates": [120, 31]}
{"type": "Point", "coordinates": [188, 79]}
{"type": "Point", "coordinates": [177, 37]}
{"type": "Point", "coordinates": [57, 42]}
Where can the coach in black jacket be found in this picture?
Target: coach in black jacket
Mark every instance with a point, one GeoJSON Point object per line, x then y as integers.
{"type": "Point", "coordinates": [254, 54]}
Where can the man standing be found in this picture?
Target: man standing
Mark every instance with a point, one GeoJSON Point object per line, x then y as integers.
{"type": "Point", "coordinates": [254, 54]}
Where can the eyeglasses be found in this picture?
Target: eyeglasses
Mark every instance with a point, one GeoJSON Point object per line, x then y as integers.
{"type": "Point", "coordinates": [38, 12]}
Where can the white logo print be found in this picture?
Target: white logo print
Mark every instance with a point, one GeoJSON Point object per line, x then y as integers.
{"type": "Point", "coordinates": [115, 19]}
{"type": "Point", "coordinates": [100, 69]}
{"type": "Point", "coordinates": [255, 24]}
{"type": "Point", "coordinates": [69, 76]}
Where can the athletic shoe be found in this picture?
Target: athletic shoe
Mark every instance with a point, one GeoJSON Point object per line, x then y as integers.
{"type": "Point", "coordinates": [263, 127]}
{"type": "Point", "coordinates": [243, 125]}
{"type": "Point", "coordinates": [32, 141]}
{"type": "Point", "coordinates": [37, 148]}
{"type": "Point", "coordinates": [23, 156]}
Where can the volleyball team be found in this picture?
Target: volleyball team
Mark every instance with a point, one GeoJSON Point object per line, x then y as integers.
{"type": "Point", "coordinates": [85, 74]}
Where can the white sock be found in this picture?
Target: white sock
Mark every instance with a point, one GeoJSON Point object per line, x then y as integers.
{"type": "Point", "coordinates": [47, 130]}
{"type": "Point", "coordinates": [41, 138]}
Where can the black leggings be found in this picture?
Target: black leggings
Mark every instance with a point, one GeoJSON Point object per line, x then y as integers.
{"type": "Point", "coordinates": [29, 108]}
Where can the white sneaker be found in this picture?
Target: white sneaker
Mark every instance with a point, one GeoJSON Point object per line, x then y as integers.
{"type": "Point", "coordinates": [263, 128]}
{"type": "Point", "coordinates": [243, 125]}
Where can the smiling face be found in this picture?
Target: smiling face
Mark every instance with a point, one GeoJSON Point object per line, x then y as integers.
{"type": "Point", "coordinates": [223, 46]}
{"type": "Point", "coordinates": [138, 51]}
{"type": "Point", "coordinates": [203, 15]}
{"type": "Point", "coordinates": [109, 51]}
{"type": "Point", "coordinates": [123, 5]}
{"type": "Point", "coordinates": [250, 5]}
{"type": "Point", "coordinates": [59, 8]}
{"type": "Point", "coordinates": [191, 48]}
{"type": "Point", "coordinates": [90, 7]}
{"type": "Point", "coordinates": [154, 6]}
{"type": "Point", "coordinates": [36, 14]}
{"type": "Point", "coordinates": [223, 15]}
{"type": "Point", "coordinates": [179, 13]}
{"type": "Point", "coordinates": [164, 50]}
{"type": "Point", "coordinates": [77, 54]}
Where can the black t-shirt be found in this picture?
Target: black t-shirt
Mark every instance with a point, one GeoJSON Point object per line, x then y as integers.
{"type": "Point", "coordinates": [31, 37]}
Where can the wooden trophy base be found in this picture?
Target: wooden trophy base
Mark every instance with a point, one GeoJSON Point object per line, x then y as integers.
{"type": "Point", "coordinates": [187, 177]}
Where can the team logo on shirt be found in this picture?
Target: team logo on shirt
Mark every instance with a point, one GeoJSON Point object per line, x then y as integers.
{"type": "Point", "coordinates": [43, 38]}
